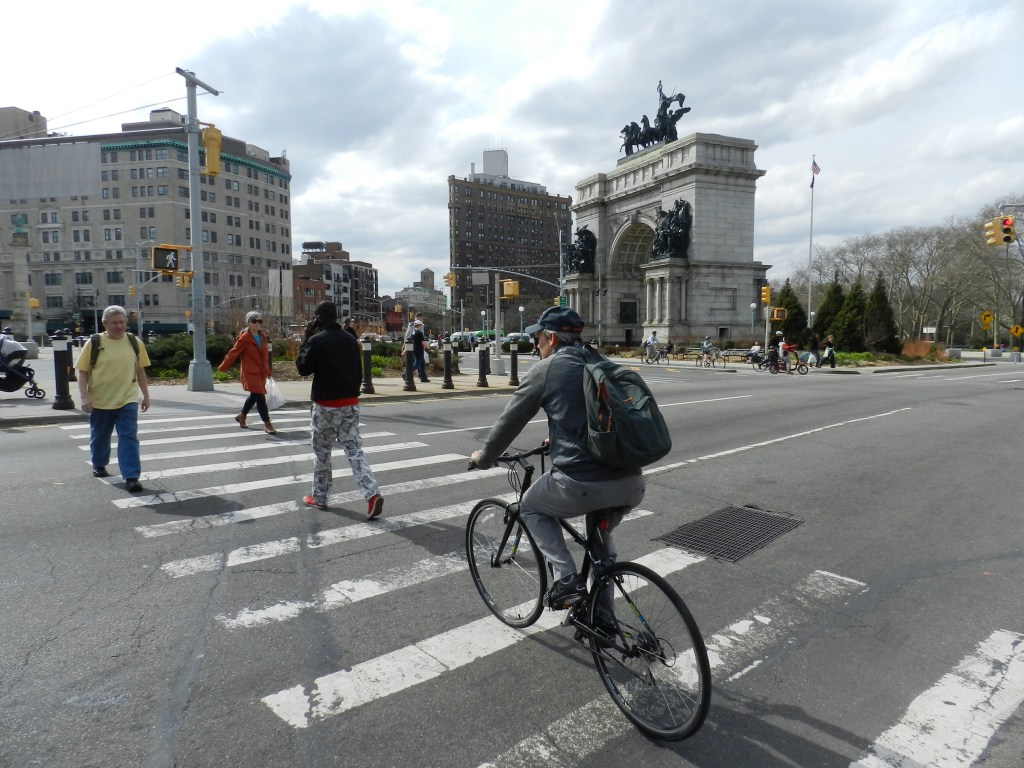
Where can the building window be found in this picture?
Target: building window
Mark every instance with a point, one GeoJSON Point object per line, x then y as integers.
{"type": "Point", "coordinates": [54, 302]}
{"type": "Point", "coordinates": [52, 278]}
{"type": "Point", "coordinates": [83, 278]}
{"type": "Point", "coordinates": [115, 277]}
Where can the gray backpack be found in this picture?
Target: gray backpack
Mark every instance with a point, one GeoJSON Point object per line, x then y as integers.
{"type": "Point", "coordinates": [625, 428]}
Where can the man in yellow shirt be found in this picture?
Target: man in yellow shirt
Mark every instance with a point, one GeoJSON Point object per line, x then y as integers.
{"type": "Point", "coordinates": [110, 395]}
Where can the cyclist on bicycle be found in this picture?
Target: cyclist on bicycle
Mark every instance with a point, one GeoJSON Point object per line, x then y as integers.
{"type": "Point", "coordinates": [706, 347]}
{"type": "Point", "coordinates": [576, 484]}
{"type": "Point", "coordinates": [652, 344]}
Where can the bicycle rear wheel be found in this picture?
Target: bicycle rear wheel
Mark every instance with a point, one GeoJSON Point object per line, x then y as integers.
{"type": "Point", "coordinates": [507, 567]}
{"type": "Point", "coordinates": [801, 368]}
{"type": "Point", "coordinates": [657, 672]}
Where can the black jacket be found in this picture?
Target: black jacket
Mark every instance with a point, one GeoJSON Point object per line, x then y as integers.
{"type": "Point", "coordinates": [332, 357]}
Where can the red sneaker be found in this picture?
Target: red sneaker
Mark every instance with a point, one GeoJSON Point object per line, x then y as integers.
{"type": "Point", "coordinates": [375, 506]}
{"type": "Point", "coordinates": [309, 501]}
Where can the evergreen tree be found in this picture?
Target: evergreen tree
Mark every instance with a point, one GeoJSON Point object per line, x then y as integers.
{"type": "Point", "coordinates": [848, 327]}
{"type": "Point", "coordinates": [879, 324]}
{"type": "Point", "coordinates": [829, 308]}
{"type": "Point", "coordinates": [795, 324]}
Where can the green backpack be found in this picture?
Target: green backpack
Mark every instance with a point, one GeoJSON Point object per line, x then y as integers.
{"type": "Point", "coordinates": [625, 428]}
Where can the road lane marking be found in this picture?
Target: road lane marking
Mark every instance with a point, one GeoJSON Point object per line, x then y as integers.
{"type": "Point", "coordinates": [269, 482]}
{"type": "Point", "coordinates": [198, 427]}
{"type": "Point", "coordinates": [270, 549]}
{"type": "Point", "coordinates": [220, 417]}
{"type": "Point", "coordinates": [374, 679]}
{"type": "Point", "coordinates": [732, 652]}
{"type": "Point", "coordinates": [269, 461]}
{"type": "Point", "coordinates": [701, 402]}
{"type": "Point", "coordinates": [337, 499]}
{"type": "Point", "coordinates": [773, 441]}
{"type": "Point", "coordinates": [151, 457]}
{"type": "Point", "coordinates": [951, 724]}
{"type": "Point", "coordinates": [352, 591]}
{"type": "Point", "coordinates": [471, 429]}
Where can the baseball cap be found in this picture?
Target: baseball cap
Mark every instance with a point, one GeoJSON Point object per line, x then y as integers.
{"type": "Point", "coordinates": [557, 319]}
{"type": "Point", "coordinates": [418, 322]}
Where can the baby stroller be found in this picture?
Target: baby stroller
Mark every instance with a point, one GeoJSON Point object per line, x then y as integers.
{"type": "Point", "coordinates": [14, 376]}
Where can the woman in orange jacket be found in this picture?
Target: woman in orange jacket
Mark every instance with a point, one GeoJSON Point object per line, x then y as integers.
{"type": "Point", "coordinates": [252, 352]}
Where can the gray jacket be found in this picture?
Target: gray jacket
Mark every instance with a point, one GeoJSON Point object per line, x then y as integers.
{"type": "Point", "coordinates": [556, 385]}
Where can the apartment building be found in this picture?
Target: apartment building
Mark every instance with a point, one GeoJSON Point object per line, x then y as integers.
{"type": "Point", "coordinates": [500, 223]}
{"type": "Point", "coordinates": [78, 216]}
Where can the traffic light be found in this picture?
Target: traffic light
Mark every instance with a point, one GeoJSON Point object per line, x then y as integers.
{"type": "Point", "coordinates": [179, 281]}
{"type": "Point", "coordinates": [449, 279]}
{"type": "Point", "coordinates": [510, 289]}
{"type": "Point", "coordinates": [778, 313]}
{"type": "Point", "coordinates": [557, 300]}
{"type": "Point", "coordinates": [211, 138]}
{"type": "Point", "coordinates": [186, 280]}
{"type": "Point", "coordinates": [992, 232]}
{"type": "Point", "coordinates": [766, 294]}
{"type": "Point", "coordinates": [131, 290]}
{"type": "Point", "coordinates": [1006, 233]}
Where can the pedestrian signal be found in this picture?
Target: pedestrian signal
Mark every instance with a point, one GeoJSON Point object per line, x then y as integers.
{"type": "Point", "coordinates": [778, 313]}
{"type": "Point", "coordinates": [766, 294]}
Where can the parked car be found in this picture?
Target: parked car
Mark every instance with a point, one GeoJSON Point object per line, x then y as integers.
{"type": "Point", "coordinates": [522, 341]}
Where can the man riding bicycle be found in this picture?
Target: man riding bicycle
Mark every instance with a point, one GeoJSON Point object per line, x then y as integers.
{"type": "Point", "coordinates": [577, 484]}
{"type": "Point", "coordinates": [652, 344]}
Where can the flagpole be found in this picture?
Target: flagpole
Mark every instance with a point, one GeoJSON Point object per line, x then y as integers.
{"type": "Point", "coordinates": [810, 246]}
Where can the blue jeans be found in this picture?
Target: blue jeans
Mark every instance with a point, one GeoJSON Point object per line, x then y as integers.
{"type": "Point", "coordinates": [102, 422]}
{"type": "Point", "coordinates": [418, 366]}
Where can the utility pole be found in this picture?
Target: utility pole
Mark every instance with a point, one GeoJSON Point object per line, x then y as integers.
{"type": "Point", "coordinates": [200, 373]}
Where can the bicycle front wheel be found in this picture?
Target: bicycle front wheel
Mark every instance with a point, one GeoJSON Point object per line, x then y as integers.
{"type": "Point", "coordinates": [657, 672]}
{"type": "Point", "coordinates": [801, 368]}
{"type": "Point", "coordinates": [505, 563]}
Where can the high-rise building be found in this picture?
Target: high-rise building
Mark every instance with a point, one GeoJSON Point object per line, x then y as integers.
{"type": "Point", "coordinates": [78, 216]}
{"type": "Point", "coordinates": [500, 224]}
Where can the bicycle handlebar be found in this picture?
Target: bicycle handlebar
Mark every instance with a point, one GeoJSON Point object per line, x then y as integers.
{"type": "Point", "coordinates": [515, 458]}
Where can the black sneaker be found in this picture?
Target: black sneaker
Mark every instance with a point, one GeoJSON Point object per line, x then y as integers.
{"type": "Point", "coordinates": [133, 485]}
{"type": "Point", "coordinates": [100, 472]}
{"type": "Point", "coordinates": [566, 592]}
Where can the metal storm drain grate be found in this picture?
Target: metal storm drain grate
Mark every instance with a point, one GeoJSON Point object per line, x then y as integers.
{"type": "Point", "coordinates": [731, 533]}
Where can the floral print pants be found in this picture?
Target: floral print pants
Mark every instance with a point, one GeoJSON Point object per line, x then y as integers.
{"type": "Point", "coordinates": [340, 425]}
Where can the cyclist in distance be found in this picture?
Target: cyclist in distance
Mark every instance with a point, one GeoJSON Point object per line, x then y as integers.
{"type": "Point", "coordinates": [705, 350]}
{"type": "Point", "coordinates": [652, 344]}
{"type": "Point", "coordinates": [577, 484]}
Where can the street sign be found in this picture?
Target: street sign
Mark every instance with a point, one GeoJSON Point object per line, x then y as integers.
{"type": "Point", "coordinates": [563, 301]}
{"type": "Point", "coordinates": [1016, 330]}
{"type": "Point", "coordinates": [986, 317]}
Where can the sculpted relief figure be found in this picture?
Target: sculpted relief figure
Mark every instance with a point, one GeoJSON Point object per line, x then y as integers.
{"type": "Point", "coordinates": [582, 252]}
{"type": "Point", "coordinates": [672, 236]}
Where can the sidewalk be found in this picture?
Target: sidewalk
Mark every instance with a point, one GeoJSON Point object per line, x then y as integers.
{"type": "Point", "coordinates": [17, 410]}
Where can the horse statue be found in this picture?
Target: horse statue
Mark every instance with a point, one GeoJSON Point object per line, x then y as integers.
{"type": "Point", "coordinates": [630, 137]}
{"type": "Point", "coordinates": [582, 252]}
{"type": "Point", "coordinates": [636, 137]}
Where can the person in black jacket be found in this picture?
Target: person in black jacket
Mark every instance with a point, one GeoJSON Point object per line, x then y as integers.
{"type": "Point", "coordinates": [332, 357]}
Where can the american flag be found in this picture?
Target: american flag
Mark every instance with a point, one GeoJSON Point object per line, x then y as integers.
{"type": "Point", "coordinates": [815, 169]}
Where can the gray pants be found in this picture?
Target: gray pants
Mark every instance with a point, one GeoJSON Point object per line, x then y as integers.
{"type": "Point", "coordinates": [557, 496]}
{"type": "Point", "coordinates": [341, 425]}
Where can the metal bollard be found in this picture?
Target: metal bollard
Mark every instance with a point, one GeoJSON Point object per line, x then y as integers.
{"type": "Point", "coordinates": [367, 355]}
{"type": "Point", "coordinates": [410, 373]}
{"type": "Point", "coordinates": [513, 374]}
{"type": "Point", "coordinates": [448, 383]}
{"type": "Point", "coordinates": [484, 367]}
{"type": "Point", "coordinates": [61, 363]}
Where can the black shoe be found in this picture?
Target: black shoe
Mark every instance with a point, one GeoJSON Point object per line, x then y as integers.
{"type": "Point", "coordinates": [133, 485]}
{"type": "Point", "coordinates": [566, 592]}
{"type": "Point", "coordinates": [424, 380]}
{"type": "Point", "coordinates": [100, 472]}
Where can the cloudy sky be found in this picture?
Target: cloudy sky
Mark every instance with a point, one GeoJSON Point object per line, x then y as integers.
{"type": "Point", "coordinates": [911, 107]}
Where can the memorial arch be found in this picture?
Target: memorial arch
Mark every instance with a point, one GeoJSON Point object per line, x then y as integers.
{"type": "Point", "coordinates": [634, 288]}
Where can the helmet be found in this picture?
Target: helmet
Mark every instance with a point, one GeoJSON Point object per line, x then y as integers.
{"type": "Point", "coordinates": [8, 329]}
{"type": "Point", "coordinates": [707, 338]}
{"type": "Point", "coordinates": [778, 333]}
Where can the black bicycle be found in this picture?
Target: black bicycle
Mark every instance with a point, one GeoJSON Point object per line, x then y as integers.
{"type": "Point", "coordinates": [651, 656]}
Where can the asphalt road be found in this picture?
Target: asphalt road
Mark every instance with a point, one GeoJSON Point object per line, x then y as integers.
{"type": "Point", "coordinates": [213, 622]}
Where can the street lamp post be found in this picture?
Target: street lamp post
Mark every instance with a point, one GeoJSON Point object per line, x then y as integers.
{"type": "Point", "coordinates": [810, 320]}
{"type": "Point", "coordinates": [521, 319]}
{"type": "Point", "coordinates": [753, 314]}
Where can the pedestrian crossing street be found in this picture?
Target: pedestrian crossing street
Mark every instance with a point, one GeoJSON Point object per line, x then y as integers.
{"type": "Point", "coordinates": [950, 723]}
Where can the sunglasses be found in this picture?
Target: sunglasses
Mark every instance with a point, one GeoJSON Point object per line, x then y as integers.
{"type": "Point", "coordinates": [256, 321]}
